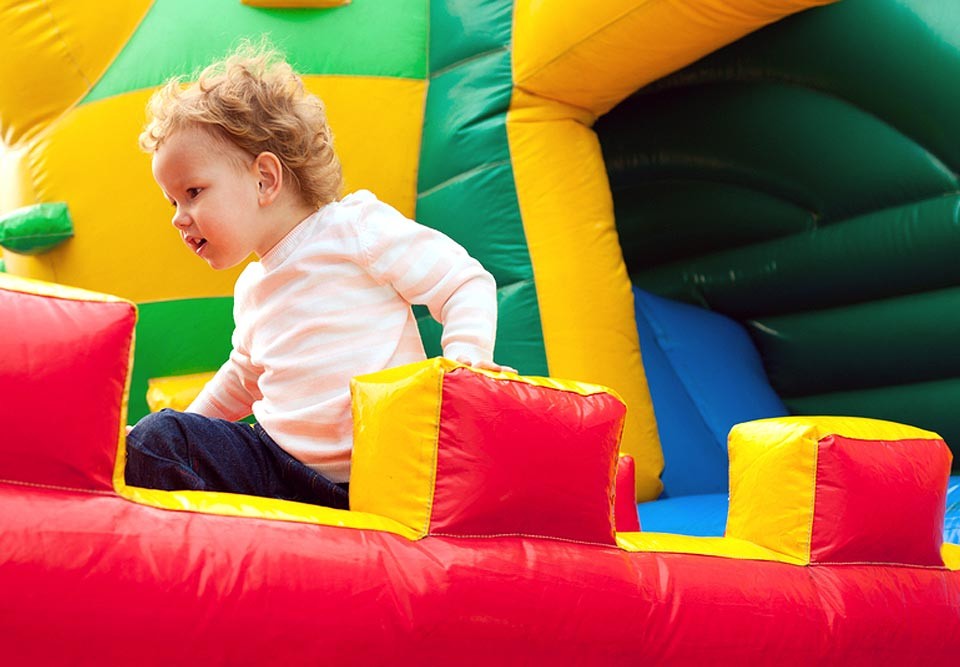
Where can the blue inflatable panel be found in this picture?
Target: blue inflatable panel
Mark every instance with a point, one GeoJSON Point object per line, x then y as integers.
{"type": "Point", "coordinates": [706, 515]}
{"type": "Point", "coordinates": [700, 516]}
{"type": "Point", "coordinates": [951, 522]}
{"type": "Point", "coordinates": [705, 376]}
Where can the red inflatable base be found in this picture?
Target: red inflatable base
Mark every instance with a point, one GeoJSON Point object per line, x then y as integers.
{"type": "Point", "coordinates": [93, 579]}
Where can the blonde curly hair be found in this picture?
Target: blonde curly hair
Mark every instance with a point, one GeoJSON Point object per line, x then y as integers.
{"type": "Point", "coordinates": [254, 99]}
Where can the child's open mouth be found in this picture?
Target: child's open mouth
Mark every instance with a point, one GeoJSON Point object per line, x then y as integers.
{"type": "Point", "coordinates": [196, 243]}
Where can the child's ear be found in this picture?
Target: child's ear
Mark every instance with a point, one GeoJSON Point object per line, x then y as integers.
{"type": "Point", "coordinates": [269, 173]}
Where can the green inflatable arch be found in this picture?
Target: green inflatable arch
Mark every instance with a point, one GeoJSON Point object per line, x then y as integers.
{"type": "Point", "coordinates": [804, 181]}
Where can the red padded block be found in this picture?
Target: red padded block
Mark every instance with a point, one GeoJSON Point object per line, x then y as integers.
{"type": "Point", "coordinates": [625, 502]}
{"type": "Point", "coordinates": [514, 458]}
{"type": "Point", "coordinates": [880, 501]}
{"type": "Point", "coordinates": [63, 369]}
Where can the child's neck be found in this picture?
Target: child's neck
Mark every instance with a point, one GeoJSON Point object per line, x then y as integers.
{"type": "Point", "coordinates": [281, 217]}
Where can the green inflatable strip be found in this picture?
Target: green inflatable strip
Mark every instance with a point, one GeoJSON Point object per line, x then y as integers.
{"type": "Point", "coordinates": [519, 342]}
{"type": "Point", "coordinates": [480, 211]}
{"type": "Point", "coordinates": [796, 144]}
{"type": "Point", "coordinates": [465, 181]}
{"type": "Point", "coordinates": [465, 119]}
{"type": "Point", "coordinates": [814, 49]}
{"type": "Point", "coordinates": [206, 323]}
{"type": "Point", "coordinates": [884, 254]}
{"type": "Point", "coordinates": [928, 405]}
{"type": "Point", "coordinates": [33, 230]}
{"type": "Point", "coordinates": [363, 38]}
{"type": "Point", "coordinates": [879, 343]}
{"type": "Point", "coordinates": [712, 217]}
{"type": "Point", "coordinates": [468, 30]}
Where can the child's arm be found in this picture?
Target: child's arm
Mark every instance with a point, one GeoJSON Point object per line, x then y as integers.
{"type": "Point", "coordinates": [426, 267]}
{"type": "Point", "coordinates": [231, 392]}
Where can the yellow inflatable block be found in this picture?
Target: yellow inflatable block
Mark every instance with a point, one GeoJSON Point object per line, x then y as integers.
{"type": "Point", "coordinates": [722, 547]}
{"type": "Point", "coordinates": [175, 392]}
{"type": "Point", "coordinates": [774, 477]}
{"type": "Point", "coordinates": [401, 448]}
{"type": "Point", "coordinates": [951, 556]}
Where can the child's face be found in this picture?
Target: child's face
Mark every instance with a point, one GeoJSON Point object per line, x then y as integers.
{"type": "Point", "coordinates": [214, 195]}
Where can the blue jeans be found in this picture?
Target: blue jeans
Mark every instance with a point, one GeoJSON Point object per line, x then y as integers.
{"type": "Point", "coordinates": [180, 450]}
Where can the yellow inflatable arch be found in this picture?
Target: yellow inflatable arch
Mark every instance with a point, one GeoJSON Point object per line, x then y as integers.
{"type": "Point", "coordinates": [474, 118]}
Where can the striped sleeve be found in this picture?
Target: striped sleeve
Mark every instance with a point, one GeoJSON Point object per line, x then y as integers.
{"type": "Point", "coordinates": [427, 267]}
{"type": "Point", "coordinates": [231, 392]}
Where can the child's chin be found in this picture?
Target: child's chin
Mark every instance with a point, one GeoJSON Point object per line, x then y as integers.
{"type": "Point", "coordinates": [220, 265]}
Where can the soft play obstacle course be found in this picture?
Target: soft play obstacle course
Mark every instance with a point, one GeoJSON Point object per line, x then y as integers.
{"type": "Point", "coordinates": [477, 574]}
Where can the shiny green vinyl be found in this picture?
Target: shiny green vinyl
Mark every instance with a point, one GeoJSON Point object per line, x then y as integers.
{"type": "Point", "coordinates": [804, 181]}
{"type": "Point", "coordinates": [465, 184]}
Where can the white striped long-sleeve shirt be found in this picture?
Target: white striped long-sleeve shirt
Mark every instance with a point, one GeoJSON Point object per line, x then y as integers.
{"type": "Point", "coordinates": [332, 300]}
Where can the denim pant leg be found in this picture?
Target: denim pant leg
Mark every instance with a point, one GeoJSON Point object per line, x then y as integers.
{"type": "Point", "coordinates": [175, 450]}
{"type": "Point", "coordinates": [295, 481]}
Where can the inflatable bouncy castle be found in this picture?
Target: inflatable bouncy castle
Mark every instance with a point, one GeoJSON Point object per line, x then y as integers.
{"type": "Point", "coordinates": [719, 220]}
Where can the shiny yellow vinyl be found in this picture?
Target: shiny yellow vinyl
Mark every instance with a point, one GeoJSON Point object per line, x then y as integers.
{"type": "Point", "coordinates": [951, 556]}
{"type": "Point", "coordinates": [593, 57]}
{"type": "Point", "coordinates": [570, 65]}
{"type": "Point", "coordinates": [232, 504]}
{"type": "Point", "coordinates": [703, 546]}
{"type": "Point", "coordinates": [175, 392]}
{"type": "Point", "coordinates": [589, 329]}
{"type": "Point", "coordinates": [53, 53]}
{"type": "Point", "coordinates": [773, 475]}
{"type": "Point", "coordinates": [52, 290]}
{"type": "Point", "coordinates": [90, 159]}
{"type": "Point", "coordinates": [396, 418]}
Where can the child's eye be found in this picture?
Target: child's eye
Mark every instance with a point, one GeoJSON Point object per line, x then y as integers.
{"type": "Point", "coordinates": [193, 192]}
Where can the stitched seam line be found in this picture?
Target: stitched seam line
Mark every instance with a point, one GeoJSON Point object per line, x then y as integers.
{"type": "Point", "coordinates": [527, 535]}
{"type": "Point", "coordinates": [54, 487]}
{"type": "Point", "coordinates": [469, 59]}
{"type": "Point", "coordinates": [878, 563]}
{"type": "Point", "coordinates": [435, 456]}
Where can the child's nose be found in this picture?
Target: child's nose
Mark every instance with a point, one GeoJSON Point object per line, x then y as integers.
{"type": "Point", "coordinates": [181, 220]}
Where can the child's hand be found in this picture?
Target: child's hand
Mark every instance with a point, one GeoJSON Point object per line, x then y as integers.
{"type": "Point", "coordinates": [486, 365]}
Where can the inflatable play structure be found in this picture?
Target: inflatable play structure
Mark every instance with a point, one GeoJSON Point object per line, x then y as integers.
{"type": "Point", "coordinates": [717, 235]}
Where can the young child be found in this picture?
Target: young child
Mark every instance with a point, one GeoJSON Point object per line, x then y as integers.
{"type": "Point", "coordinates": [245, 157]}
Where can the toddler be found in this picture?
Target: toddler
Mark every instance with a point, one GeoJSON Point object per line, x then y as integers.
{"type": "Point", "coordinates": [245, 157]}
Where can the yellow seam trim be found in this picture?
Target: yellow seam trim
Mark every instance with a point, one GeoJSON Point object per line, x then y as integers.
{"type": "Point", "coordinates": [120, 462]}
{"type": "Point", "coordinates": [66, 47]}
{"type": "Point", "coordinates": [50, 290]}
{"type": "Point", "coordinates": [436, 456]}
{"type": "Point", "coordinates": [590, 113]}
{"type": "Point", "coordinates": [177, 501]}
{"type": "Point", "coordinates": [584, 389]}
{"type": "Point", "coordinates": [813, 501]}
{"type": "Point", "coordinates": [776, 556]}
